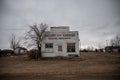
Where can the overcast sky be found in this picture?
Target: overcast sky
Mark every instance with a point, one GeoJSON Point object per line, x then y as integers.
{"type": "Point", "coordinates": [96, 20]}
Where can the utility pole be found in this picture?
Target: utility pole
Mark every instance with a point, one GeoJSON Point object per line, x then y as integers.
{"type": "Point", "coordinates": [106, 42]}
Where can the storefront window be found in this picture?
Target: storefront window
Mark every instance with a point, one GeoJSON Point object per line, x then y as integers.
{"type": "Point", "coordinates": [70, 47]}
{"type": "Point", "coordinates": [49, 45]}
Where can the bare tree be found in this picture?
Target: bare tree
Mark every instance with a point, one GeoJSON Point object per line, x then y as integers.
{"type": "Point", "coordinates": [115, 41]}
{"type": "Point", "coordinates": [36, 34]}
{"type": "Point", "coordinates": [14, 42]}
{"type": "Point", "coordinates": [90, 48]}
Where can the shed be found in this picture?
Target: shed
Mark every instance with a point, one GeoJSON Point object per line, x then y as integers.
{"type": "Point", "coordinates": [20, 50]}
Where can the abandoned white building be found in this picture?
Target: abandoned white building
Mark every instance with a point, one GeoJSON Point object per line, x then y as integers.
{"type": "Point", "coordinates": [59, 41]}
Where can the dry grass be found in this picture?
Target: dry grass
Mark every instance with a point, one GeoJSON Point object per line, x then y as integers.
{"type": "Point", "coordinates": [90, 66]}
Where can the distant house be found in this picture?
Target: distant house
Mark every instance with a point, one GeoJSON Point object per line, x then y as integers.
{"type": "Point", "coordinates": [112, 48]}
{"type": "Point", "coordinates": [20, 50]}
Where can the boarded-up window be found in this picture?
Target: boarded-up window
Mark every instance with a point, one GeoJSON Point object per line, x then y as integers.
{"type": "Point", "coordinates": [70, 47]}
{"type": "Point", "coordinates": [49, 45]}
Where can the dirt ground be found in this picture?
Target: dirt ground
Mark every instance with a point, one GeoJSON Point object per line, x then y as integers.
{"type": "Point", "coordinates": [89, 66]}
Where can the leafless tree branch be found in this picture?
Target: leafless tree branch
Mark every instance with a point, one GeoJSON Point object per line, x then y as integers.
{"type": "Point", "coordinates": [14, 42]}
{"type": "Point", "coordinates": [36, 34]}
{"type": "Point", "coordinates": [115, 41]}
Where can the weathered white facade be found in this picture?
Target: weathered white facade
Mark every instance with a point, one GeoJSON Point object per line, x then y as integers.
{"type": "Point", "coordinates": [59, 41]}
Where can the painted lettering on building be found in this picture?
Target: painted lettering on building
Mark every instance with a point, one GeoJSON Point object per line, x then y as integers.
{"type": "Point", "coordinates": [60, 36]}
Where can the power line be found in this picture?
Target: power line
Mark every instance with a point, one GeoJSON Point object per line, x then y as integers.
{"type": "Point", "coordinates": [13, 29]}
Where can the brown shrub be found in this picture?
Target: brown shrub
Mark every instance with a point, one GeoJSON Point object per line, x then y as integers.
{"type": "Point", "coordinates": [33, 54]}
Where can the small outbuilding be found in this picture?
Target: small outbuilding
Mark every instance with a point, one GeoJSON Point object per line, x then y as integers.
{"type": "Point", "coordinates": [112, 48]}
{"type": "Point", "coordinates": [20, 50]}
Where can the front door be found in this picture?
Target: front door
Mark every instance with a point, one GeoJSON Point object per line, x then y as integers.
{"type": "Point", "coordinates": [59, 48]}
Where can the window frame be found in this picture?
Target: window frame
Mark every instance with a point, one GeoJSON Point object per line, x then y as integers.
{"type": "Point", "coordinates": [60, 48]}
{"type": "Point", "coordinates": [71, 47]}
{"type": "Point", "coordinates": [49, 45]}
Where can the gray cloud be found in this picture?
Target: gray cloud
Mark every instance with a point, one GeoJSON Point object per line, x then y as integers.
{"type": "Point", "coordinates": [96, 20]}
